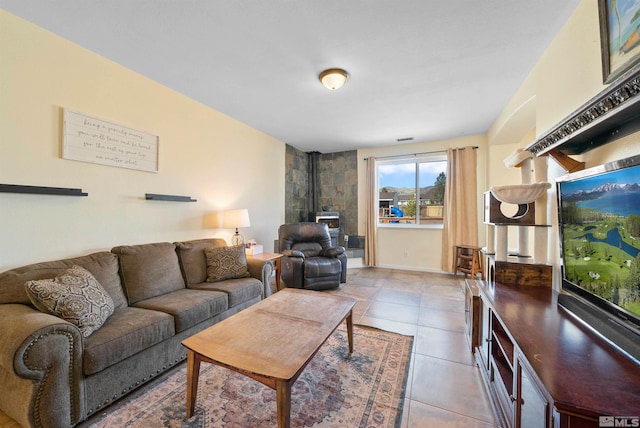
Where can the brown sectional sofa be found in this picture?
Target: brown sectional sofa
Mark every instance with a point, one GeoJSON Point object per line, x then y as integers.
{"type": "Point", "coordinates": [52, 376]}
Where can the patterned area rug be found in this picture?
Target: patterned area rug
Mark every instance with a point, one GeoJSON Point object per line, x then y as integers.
{"type": "Point", "coordinates": [365, 389]}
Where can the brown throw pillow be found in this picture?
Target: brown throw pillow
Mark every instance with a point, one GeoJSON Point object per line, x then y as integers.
{"type": "Point", "coordinates": [75, 296]}
{"type": "Point", "coordinates": [226, 263]}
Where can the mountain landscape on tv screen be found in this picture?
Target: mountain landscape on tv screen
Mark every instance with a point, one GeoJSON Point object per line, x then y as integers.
{"type": "Point", "coordinates": [601, 236]}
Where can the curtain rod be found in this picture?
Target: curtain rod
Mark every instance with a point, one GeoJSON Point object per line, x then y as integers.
{"type": "Point", "coordinates": [421, 153]}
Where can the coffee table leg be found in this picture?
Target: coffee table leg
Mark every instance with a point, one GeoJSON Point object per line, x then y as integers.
{"type": "Point", "coordinates": [350, 331]}
{"type": "Point", "coordinates": [283, 400]}
{"type": "Point", "coordinates": [193, 372]}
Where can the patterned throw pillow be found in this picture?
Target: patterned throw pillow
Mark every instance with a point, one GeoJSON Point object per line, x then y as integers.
{"type": "Point", "coordinates": [75, 296]}
{"type": "Point", "coordinates": [226, 263]}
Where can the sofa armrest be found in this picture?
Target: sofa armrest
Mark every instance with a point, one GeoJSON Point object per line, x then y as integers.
{"type": "Point", "coordinates": [261, 270]}
{"type": "Point", "coordinates": [332, 252]}
{"type": "Point", "coordinates": [293, 253]}
{"type": "Point", "coordinates": [41, 364]}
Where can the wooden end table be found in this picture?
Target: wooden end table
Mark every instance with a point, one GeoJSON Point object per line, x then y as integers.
{"type": "Point", "coordinates": [276, 258]}
{"type": "Point", "coordinates": [271, 342]}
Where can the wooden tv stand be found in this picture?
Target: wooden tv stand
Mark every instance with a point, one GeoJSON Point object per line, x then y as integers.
{"type": "Point", "coordinates": [544, 368]}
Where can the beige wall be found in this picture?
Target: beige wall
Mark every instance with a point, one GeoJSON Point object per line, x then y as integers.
{"type": "Point", "coordinates": [567, 76]}
{"type": "Point", "coordinates": [416, 248]}
{"type": "Point", "coordinates": [204, 154]}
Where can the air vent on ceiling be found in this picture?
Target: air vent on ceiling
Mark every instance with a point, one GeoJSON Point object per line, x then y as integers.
{"type": "Point", "coordinates": [400, 140]}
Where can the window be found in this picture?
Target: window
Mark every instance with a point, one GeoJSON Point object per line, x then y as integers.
{"type": "Point", "coordinates": [411, 190]}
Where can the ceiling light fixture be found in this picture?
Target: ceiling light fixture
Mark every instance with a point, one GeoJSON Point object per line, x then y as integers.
{"type": "Point", "coordinates": [333, 78]}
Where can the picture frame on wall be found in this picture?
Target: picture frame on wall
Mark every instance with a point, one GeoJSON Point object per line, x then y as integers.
{"type": "Point", "coordinates": [619, 37]}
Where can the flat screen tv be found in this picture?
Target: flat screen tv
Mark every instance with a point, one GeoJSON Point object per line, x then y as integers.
{"type": "Point", "coordinates": [599, 225]}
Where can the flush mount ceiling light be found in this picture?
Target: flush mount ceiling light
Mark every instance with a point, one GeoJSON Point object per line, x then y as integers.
{"type": "Point", "coordinates": [333, 78]}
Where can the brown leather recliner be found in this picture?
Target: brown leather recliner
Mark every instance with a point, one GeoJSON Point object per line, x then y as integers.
{"type": "Point", "coordinates": [309, 259]}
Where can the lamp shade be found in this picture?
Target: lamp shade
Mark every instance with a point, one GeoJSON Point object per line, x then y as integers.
{"type": "Point", "coordinates": [233, 219]}
{"type": "Point", "coordinates": [333, 78]}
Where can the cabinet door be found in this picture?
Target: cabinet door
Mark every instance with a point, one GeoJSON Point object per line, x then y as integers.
{"type": "Point", "coordinates": [484, 333]}
{"type": "Point", "coordinates": [532, 410]}
{"type": "Point", "coordinates": [471, 314]}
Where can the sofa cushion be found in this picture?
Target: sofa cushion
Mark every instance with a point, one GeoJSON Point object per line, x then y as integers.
{"type": "Point", "coordinates": [75, 296]}
{"type": "Point", "coordinates": [238, 290]}
{"type": "Point", "coordinates": [103, 266]}
{"type": "Point", "coordinates": [193, 261]}
{"type": "Point", "coordinates": [128, 331]}
{"type": "Point", "coordinates": [188, 307]}
{"type": "Point", "coordinates": [226, 263]}
{"type": "Point", "coordinates": [149, 270]}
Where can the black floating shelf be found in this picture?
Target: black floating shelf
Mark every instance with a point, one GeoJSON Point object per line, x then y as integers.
{"type": "Point", "coordinates": [41, 190]}
{"type": "Point", "coordinates": [156, 197]}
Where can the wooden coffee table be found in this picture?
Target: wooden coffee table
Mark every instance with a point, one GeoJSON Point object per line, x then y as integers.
{"type": "Point", "coordinates": [271, 342]}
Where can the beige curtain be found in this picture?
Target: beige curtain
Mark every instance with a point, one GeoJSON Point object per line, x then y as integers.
{"type": "Point", "coordinates": [460, 213]}
{"type": "Point", "coordinates": [371, 216]}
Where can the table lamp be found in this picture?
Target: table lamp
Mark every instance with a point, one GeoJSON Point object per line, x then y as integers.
{"type": "Point", "coordinates": [233, 219]}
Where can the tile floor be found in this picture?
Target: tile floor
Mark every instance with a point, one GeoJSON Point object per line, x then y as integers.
{"type": "Point", "coordinates": [444, 388]}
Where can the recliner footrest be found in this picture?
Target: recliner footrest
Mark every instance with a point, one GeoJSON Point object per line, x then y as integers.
{"type": "Point", "coordinates": [319, 267]}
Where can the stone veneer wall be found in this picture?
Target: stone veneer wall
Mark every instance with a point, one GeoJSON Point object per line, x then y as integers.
{"type": "Point", "coordinates": [296, 185]}
{"type": "Point", "coordinates": [337, 187]}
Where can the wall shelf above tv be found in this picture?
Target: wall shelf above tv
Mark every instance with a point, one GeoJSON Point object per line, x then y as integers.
{"type": "Point", "coordinates": [610, 115]}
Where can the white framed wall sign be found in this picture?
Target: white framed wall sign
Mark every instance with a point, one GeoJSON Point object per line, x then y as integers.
{"type": "Point", "coordinates": [93, 140]}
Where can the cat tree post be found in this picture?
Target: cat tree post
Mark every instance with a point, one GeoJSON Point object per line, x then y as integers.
{"type": "Point", "coordinates": [501, 242]}
{"type": "Point", "coordinates": [523, 231]}
{"type": "Point", "coordinates": [491, 239]}
{"type": "Point", "coordinates": [541, 237]}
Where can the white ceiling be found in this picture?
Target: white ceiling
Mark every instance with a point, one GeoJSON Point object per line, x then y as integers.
{"type": "Point", "coordinates": [425, 69]}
